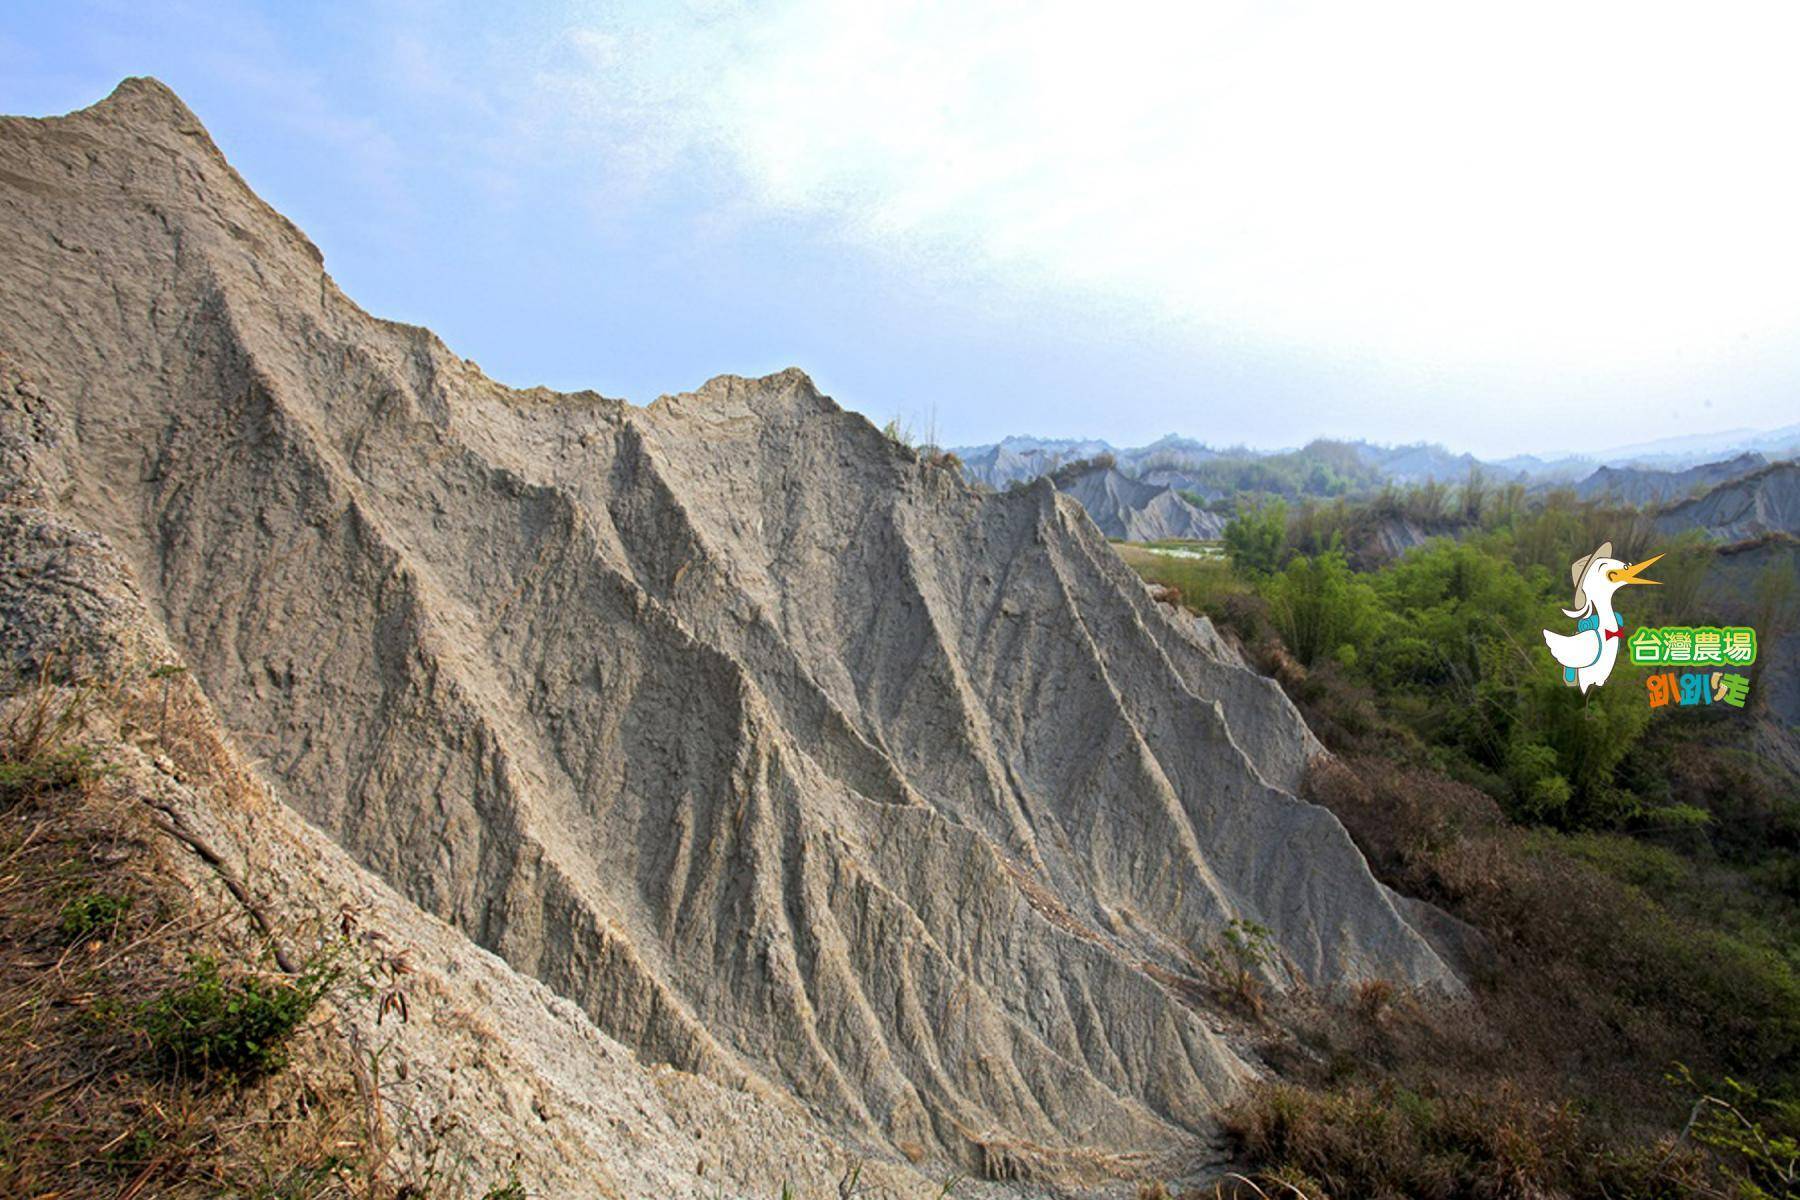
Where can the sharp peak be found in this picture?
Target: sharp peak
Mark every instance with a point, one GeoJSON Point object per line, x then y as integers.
{"type": "Point", "coordinates": [147, 95]}
{"type": "Point", "coordinates": [789, 382]}
{"type": "Point", "coordinates": [788, 378]}
{"type": "Point", "coordinates": [149, 108]}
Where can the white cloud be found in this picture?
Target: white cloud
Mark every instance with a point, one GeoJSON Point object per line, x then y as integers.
{"type": "Point", "coordinates": [1602, 185]}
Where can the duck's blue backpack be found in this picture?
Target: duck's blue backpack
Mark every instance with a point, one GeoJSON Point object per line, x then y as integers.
{"type": "Point", "coordinates": [1591, 621]}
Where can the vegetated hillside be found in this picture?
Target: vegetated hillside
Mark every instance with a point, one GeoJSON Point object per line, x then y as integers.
{"type": "Point", "coordinates": [1764, 502]}
{"type": "Point", "coordinates": [1014, 460]}
{"type": "Point", "coordinates": [1321, 468]}
{"type": "Point", "coordinates": [1757, 582]}
{"type": "Point", "coordinates": [1634, 867]}
{"type": "Point", "coordinates": [788, 758]}
{"type": "Point", "coordinates": [1134, 511]}
{"type": "Point", "coordinates": [1644, 485]}
{"type": "Point", "coordinates": [1420, 463]}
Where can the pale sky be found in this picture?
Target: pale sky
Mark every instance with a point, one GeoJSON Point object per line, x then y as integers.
{"type": "Point", "coordinates": [1502, 227]}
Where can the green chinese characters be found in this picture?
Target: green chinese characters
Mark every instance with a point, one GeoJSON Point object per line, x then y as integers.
{"type": "Point", "coordinates": [1684, 645]}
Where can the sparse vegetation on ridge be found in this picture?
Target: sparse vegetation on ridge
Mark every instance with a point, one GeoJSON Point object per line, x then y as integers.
{"type": "Point", "coordinates": [148, 1038]}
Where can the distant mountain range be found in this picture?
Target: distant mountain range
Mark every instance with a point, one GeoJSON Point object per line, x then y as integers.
{"type": "Point", "coordinates": [1678, 452]}
{"type": "Point", "coordinates": [1016, 459]}
{"type": "Point", "coordinates": [1178, 487]}
{"type": "Point", "coordinates": [1177, 461]}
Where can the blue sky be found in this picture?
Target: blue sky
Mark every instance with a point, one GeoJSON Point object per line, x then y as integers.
{"type": "Point", "coordinates": [1505, 228]}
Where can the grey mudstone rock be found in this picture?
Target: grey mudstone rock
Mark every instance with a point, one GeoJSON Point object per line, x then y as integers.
{"type": "Point", "coordinates": [1138, 511]}
{"type": "Point", "coordinates": [779, 755]}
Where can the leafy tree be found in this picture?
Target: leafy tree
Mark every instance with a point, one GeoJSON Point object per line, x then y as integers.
{"type": "Point", "coordinates": [1256, 539]}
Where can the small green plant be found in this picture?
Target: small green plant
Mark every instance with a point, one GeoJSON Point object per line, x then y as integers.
{"type": "Point", "coordinates": [51, 769]}
{"type": "Point", "coordinates": [512, 1189]}
{"type": "Point", "coordinates": [310, 1181]}
{"type": "Point", "coordinates": [1249, 944]}
{"type": "Point", "coordinates": [1236, 960]}
{"type": "Point", "coordinates": [166, 673]}
{"type": "Point", "coordinates": [138, 1147]}
{"type": "Point", "coordinates": [1756, 1139]}
{"type": "Point", "coordinates": [92, 914]}
{"type": "Point", "coordinates": [209, 1023]}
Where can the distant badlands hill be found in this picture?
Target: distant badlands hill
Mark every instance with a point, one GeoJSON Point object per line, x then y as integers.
{"type": "Point", "coordinates": [819, 798]}
{"type": "Point", "coordinates": [1762, 502]}
{"type": "Point", "coordinates": [1649, 486]}
{"type": "Point", "coordinates": [1136, 510]}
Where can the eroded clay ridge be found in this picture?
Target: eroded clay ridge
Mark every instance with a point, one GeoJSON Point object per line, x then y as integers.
{"type": "Point", "coordinates": [788, 757]}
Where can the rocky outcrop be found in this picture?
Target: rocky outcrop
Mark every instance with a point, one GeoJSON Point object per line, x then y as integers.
{"type": "Point", "coordinates": [782, 755]}
{"type": "Point", "coordinates": [1016, 460]}
{"type": "Point", "coordinates": [1019, 460]}
{"type": "Point", "coordinates": [1390, 538]}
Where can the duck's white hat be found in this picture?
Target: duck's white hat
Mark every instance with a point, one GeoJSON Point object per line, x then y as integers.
{"type": "Point", "coordinates": [1578, 570]}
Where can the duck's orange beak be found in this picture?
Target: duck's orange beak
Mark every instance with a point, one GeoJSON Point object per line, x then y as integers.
{"type": "Point", "coordinates": [1630, 574]}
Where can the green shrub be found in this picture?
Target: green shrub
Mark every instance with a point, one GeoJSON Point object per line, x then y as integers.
{"type": "Point", "coordinates": [1241, 951]}
{"type": "Point", "coordinates": [210, 1023]}
{"type": "Point", "coordinates": [92, 914]}
{"type": "Point", "coordinates": [1658, 870]}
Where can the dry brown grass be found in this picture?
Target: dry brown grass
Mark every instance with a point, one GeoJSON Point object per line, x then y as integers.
{"type": "Point", "coordinates": [1551, 1080]}
{"type": "Point", "coordinates": [86, 1111]}
{"type": "Point", "coordinates": [1386, 1140]}
{"type": "Point", "coordinates": [87, 1108]}
{"type": "Point", "coordinates": [1591, 987]}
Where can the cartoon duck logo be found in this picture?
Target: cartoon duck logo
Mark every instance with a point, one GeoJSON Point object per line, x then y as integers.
{"type": "Point", "coordinates": [1587, 656]}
